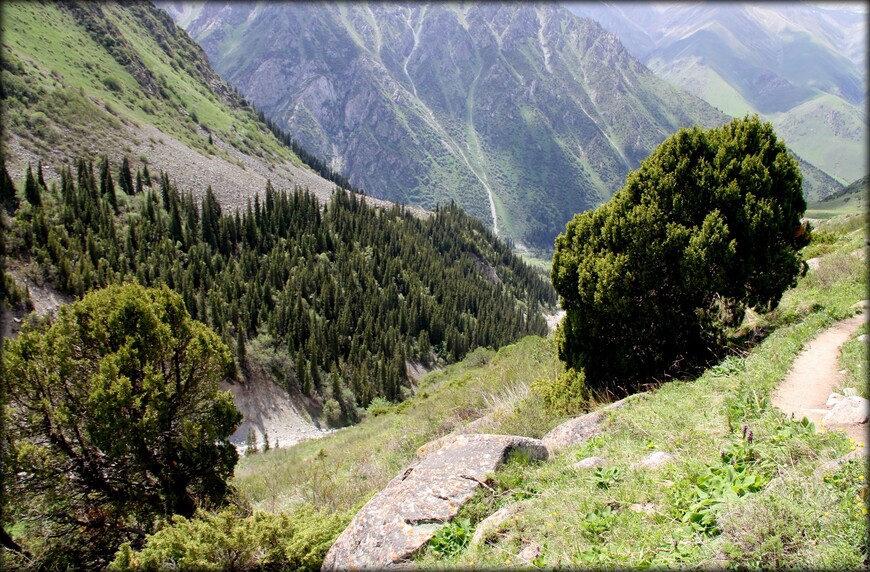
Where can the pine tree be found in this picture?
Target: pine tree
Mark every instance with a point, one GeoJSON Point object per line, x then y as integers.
{"type": "Point", "coordinates": [8, 197]}
{"type": "Point", "coordinates": [138, 182]}
{"type": "Point", "coordinates": [107, 187]}
{"type": "Point", "coordinates": [39, 177]}
{"type": "Point", "coordinates": [125, 177]}
{"type": "Point", "coordinates": [31, 189]}
{"type": "Point", "coordinates": [146, 177]}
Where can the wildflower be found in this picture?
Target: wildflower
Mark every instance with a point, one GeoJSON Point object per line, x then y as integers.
{"type": "Point", "coordinates": [749, 439]}
{"type": "Point", "coordinates": [745, 427]}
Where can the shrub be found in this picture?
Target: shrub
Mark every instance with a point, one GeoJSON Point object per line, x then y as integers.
{"type": "Point", "coordinates": [708, 226]}
{"type": "Point", "coordinates": [231, 540]}
{"type": "Point", "coordinates": [565, 395]}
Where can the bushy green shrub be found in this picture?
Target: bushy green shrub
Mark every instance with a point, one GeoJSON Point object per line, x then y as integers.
{"type": "Point", "coordinates": [708, 226]}
{"type": "Point", "coordinates": [230, 540]}
{"type": "Point", "coordinates": [565, 395]}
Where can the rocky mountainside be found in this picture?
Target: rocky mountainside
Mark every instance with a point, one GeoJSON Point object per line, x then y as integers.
{"type": "Point", "coordinates": [523, 115]}
{"type": "Point", "coordinates": [801, 66]}
{"type": "Point", "coordinates": [125, 81]}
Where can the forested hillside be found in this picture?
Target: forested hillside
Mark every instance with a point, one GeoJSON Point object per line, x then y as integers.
{"type": "Point", "coordinates": [342, 295]}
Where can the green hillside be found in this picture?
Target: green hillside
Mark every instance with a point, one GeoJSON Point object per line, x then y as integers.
{"type": "Point", "coordinates": [848, 200]}
{"type": "Point", "coordinates": [788, 515]}
{"type": "Point", "coordinates": [799, 66]}
{"type": "Point", "coordinates": [124, 81]}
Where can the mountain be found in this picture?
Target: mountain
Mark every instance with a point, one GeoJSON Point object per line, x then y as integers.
{"type": "Point", "coordinates": [801, 66]}
{"type": "Point", "coordinates": [523, 115]}
{"type": "Point", "coordinates": [125, 81]}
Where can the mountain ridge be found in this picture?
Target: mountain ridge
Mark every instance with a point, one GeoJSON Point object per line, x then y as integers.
{"type": "Point", "coordinates": [502, 109]}
{"type": "Point", "coordinates": [801, 66]}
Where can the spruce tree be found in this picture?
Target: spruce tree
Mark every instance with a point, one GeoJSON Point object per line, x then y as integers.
{"type": "Point", "coordinates": [31, 189]}
{"type": "Point", "coordinates": [107, 186]}
{"type": "Point", "coordinates": [146, 177]}
{"type": "Point", "coordinates": [125, 177]}
{"type": "Point", "coordinates": [39, 178]}
{"type": "Point", "coordinates": [8, 198]}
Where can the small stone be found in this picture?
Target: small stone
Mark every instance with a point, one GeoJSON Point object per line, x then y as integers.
{"type": "Point", "coordinates": [863, 338]}
{"type": "Point", "coordinates": [849, 410]}
{"type": "Point", "coordinates": [589, 463]}
{"type": "Point", "coordinates": [833, 399]}
{"type": "Point", "coordinates": [814, 263]}
{"type": "Point", "coordinates": [530, 552]}
{"type": "Point", "coordinates": [494, 522]}
{"type": "Point", "coordinates": [654, 460]}
{"type": "Point", "coordinates": [849, 391]}
{"type": "Point", "coordinates": [646, 508]}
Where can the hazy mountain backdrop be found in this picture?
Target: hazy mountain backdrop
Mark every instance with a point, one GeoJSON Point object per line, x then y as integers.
{"type": "Point", "coordinates": [799, 65]}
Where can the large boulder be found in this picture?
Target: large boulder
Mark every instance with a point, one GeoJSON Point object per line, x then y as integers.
{"type": "Point", "coordinates": [400, 519]}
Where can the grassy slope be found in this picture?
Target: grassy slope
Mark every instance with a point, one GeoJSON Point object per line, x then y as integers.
{"type": "Point", "coordinates": [796, 519]}
{"type": "Point", "coordinates": [829, 133]}
{"type": "Point", "coordinates": [82, 95]}
{"type": "Point", "coordinates": [848, 200]}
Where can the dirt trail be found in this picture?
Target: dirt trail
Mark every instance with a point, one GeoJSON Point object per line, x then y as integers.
{"type": "Point", "coordinates": [815, 375]}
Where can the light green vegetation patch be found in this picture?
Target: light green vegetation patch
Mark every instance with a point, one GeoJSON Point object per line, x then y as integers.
{"type": "Point", "coordinates": [344, 468]}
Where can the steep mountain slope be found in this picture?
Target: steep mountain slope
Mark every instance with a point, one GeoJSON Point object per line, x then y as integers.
{"type": "Point", "coordinates": [124, 81]}
{"type": "Point", "coordinates": [801, 66]}
{"type": "Point", "coordinates": [523, 115]}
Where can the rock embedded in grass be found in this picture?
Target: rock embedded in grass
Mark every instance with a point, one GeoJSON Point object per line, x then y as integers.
{"type": "Point", "coordinates": [400, 519]}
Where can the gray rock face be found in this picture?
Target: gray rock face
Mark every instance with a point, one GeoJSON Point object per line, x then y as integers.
{"type": "Point", "coordinates": [400, 519]}
{"type": "Point", "coordinates": [574, 431]}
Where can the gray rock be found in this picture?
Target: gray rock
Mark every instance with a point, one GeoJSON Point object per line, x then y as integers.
{"type": "Point", "coordinates": [833, 399]}
{"type": "Point", "coordinates": [849, 410]}
{"type": "Point", "coordinates": [530, 552]}
{"type": "Point", "coordinates": [863, 338]}
{"type": "Point", "coordinates": [646, 508]}
{"type": "Point", "coordinates": [580, 429]}
{"type": "Point", "coordinates": [493, 523]}
{"type": "Point", "coordinates": [400, 519]}
{"type": "Point", "coordinates": [654, 460]}
{"type": "Point", "coordinates": [849, 391]}
{"type": "Point", "coordinates": [573, 431]}
{"type": "Point", "coordinates": [589, 463]}
{"type": "Point", "coordinates": [814, 263]}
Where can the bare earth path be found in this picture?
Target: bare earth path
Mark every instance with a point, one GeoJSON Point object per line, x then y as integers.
{"type": "Point", "coordinates": [815, 375]}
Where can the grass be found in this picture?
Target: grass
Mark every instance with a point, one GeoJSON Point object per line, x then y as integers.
{"type": "Point", "coordinates": [780, 511]}
{"type": "Point", "coordinates": [344, 468]}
